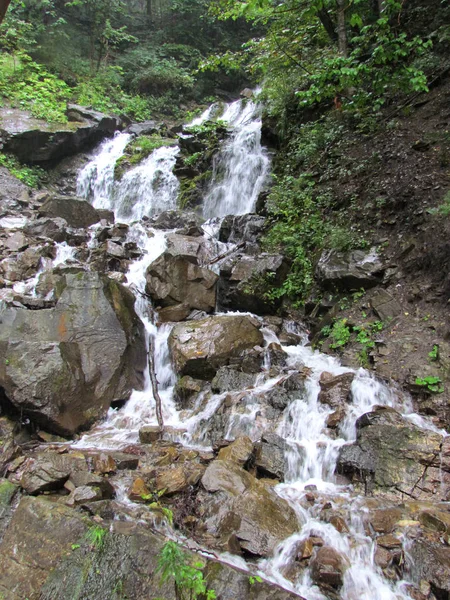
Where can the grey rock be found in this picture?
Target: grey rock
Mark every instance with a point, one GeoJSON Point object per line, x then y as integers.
{"type": "Point", "coordinates": [76, 212]}
{"type": "Point", "coordinates": [349, 271]}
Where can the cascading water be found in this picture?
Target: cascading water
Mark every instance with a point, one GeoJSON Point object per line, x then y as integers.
{"type": "Point", "coordinates": [311, 452]}
{"type": "Point", "coordinates": [241, 168]}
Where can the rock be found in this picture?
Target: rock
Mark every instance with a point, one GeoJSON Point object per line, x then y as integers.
{"type": "Point", "coordinates": [83, 479]}
{"type": "Point", "coordinates": [55, 229]}
{"type": "Point", "coordinates": [36, 141]}
{"type": "Point", "coordinates": [175, 313]}
{"type": "Point", "coordinates": [228, 379]}
{"type": "Point", "coordinates": [276, 355]}
{"type": "Point", "coordinates": [245, 508]}
{"type": "Point", "coordinates": [139, 491]}
{"type": "Point", "coordinates": [349, 271]}
{"type": "Point", "coordinates": [335, 390]}
{"type": "Point", "coordinates": [245, 280]}
{"type": "Point", "coordinates": [144, 128]}
{"type": "Point", "coordinates": [436, 520]}
{"type": "Point", "coordinates": [384, 305]}
{"type": "Point", "coordinates": [240, 451]}
{"type": "Point", "coordinates": [86, 352]}
{"type": "Point", "coordinates": [16, 242]}
{"type": "Point", "coordinates": [84, 494]}
{"type": "Point", "coordinates": [173, 219]}
{"type": "Point", "coordinates": [385, 519]}
{"type": "Point", "coordinates": [104, 463]}
{"type": "Point", "coordinates": [391, 452]}
{"type": "Point", "coordinates": [389, 541]}
{"type": "Point", "coordinates": [288, 389]}
{"type": "Point", "coordinates": [149, 434]}
{"type": "Point", "coordinates": [38, 536]}
{"type": "Point", "coordinates": [175, 280]}
{"type": "Point", "coordinates": [49, 471]}
{"type": "Point", "coordinates": [76, 212]}
{"type": "Point", "coordinates": [200, 348]}
{"type": "Point", "coordinates": [242, 228]}
{"type": "Point", "coordinates": [25, 264]}
{"type": "Point", "coordinates": [328, 567]}
{"type": "Point", "coordinates": [430, 561]}
{"type": "Point", "coordinates": [270, 460]}
{"type": "Point", "coordinates": [178, 479]}
{"type": "Point", "coordinates": [186, 391]}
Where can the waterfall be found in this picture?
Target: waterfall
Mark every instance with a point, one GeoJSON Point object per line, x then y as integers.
{"type": "Point", "coordinates": [241, 167]}
{"type": "Point", "coordinates": [240, 170]}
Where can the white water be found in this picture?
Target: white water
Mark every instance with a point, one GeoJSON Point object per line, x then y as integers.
{"type": "Point", "coordinates": [311, 450]}
{"type": "Point", "coordinates": [241, 168]}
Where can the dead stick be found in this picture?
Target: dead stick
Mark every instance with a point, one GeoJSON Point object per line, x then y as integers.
{"type": "Point", "coordinates": [153, 379]}
{"type": "Point", "coordinates": [235, 249]}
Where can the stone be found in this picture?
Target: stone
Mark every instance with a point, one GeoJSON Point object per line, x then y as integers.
{"type": "Point", "coordinates": [46, 471]}
{"type": "Point", "coordinates": [187, 390]}
{"type": "Point", "coordinates": [349, 270]}
{"type": "Point", "coordinates": [38, 536]}
{"type": "Point", "coordinates": [174, 314]}
{"type": "Point", "coordinates": [430, 561]}
{"type": "Point", "coordinates": [291, 387]}
{"type": "Point", "coordinates": [241, 228]}
{"type": "Point", "coordinates": [24, 265]}
{"type": "Point", "coordinates": [149, 434]}
{"type": "Point", "coordinates": [86, 352]}
{"type": "Point", "coordinates": [389, 541]}
{"type": "Point", "coordinates": [270, 461]}
{"type": "Point", "coordinates": [173, 219]}
{"type": "Point", "coordinates": [178, 479]}
{"type": "Point", "coordinates": [144, 128]}
{"type": "Point", "coordinates": [385, 519]}
{"type": "Point", "coordinates": [392, 452]}
{"type": "Point", "coordinates": [335, 390]}
{"type": "Point", "coordinates": [243, 507]}
{"type": "Point", "coordinates": [328, 567]}
{"type": "Point", "coordinates": [36, 141]}
{"type": "Point", "coordinates": [104, 463]}
{"type": "Point", "coordinates": [16, 242]}
{"type": "Point", "coordinates": [139, 491]}
{"type": "Point", "coordinates": [174, 280]}
{"type": "Point", "coordinates": [244, 282]}
{"type": "Point", "coordinates": [240, 451]}
{"type": "Point", "coordinates": [84, 494]}
{"type": "Point", "coordinates": [76, 212]}
{"type": "Point", "coordinates": [87, 479]}
{"type": "Point", "coordinates": [384, 305]}
{"type": "Point", "coordinates": [200, 348]}
{"type": "Point", "coordinates": [228, 379]}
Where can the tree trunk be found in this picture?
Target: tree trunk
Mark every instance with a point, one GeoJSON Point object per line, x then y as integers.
{"type": "Point", "coordinates": [328, 24]}
{"type": "Point", "coordinates": [3, 8]}
{"type": "Point", "coordinates": [341, 29]}
{"type": "Point", "coordinates": [153, 379]}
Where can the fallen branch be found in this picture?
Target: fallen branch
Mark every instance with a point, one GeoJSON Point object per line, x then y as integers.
{"type": "Point", "coordinates": [227, 253]}
{"type": "Point", "coordinates": [153, 378]}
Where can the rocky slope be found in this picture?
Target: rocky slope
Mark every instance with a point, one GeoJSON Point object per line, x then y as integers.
{"type": "Point", "coordinates": [80, 521]}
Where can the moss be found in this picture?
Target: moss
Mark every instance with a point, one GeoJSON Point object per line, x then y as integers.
{"type": "Point", "coordinates": [7, 492]}
{"type": "Point", "coordinates": [137, 150]}
{"type": "Point", "coordinates": [192, 189]}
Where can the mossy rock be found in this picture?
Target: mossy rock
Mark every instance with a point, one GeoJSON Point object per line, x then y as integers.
{"type": "Point", "coordinates": [137, 150]}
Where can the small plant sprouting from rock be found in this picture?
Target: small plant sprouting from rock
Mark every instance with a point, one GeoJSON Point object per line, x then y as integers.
{"type": "Point", "coordinates": [175, 564]}
{"type": "Point", "coordinates": [431, 383]}
{"type": "Point", "coordinates": [254, 579]}
{"type": "Point", "coordinates": [434, 354]}
{"type": "Point", "coordinates": [155, 504]}
{"type": "Point", "coordinates": [96, 537]}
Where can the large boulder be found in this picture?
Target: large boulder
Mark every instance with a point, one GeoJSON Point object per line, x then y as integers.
{"type": "Point", "coordinates": [65, 365]}
{"type": "Point", "coordinates": [175, 280]}
{"type": "Point", "coordinates": [241, 507]}
{"type": "Point", "coordinates": [76, 212]}
{"type": "Point", "coordinates": [391, 452]}
{"type": "Point", "coordinates": [349, 270]}
{"type": "Point", "coordinates": [35, 141]}
{"type": "Point", "coordinates": [200, 348]}
{"type": "Point", "coordinates": [245, 281]}
{"type": "Point", "coordinates": [241, 228]}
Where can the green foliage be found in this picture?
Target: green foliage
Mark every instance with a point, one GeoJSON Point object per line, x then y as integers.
{"type": "Point", "coordinates": [434, 354]}
{"type": "Point", "coordinates": [254, 579]}
{"type": "Point", "coordinates": [154, 503]}
{"type": "Point", "coordinates": [26, 84]}
{"type": "Point", "coordinates": [432, 384]}
{"type": "Point", "coordinates": [174, 564]}
{"type": "Point", "coordinates": [31, 176]}
{"type": "Point", "coordinates": [444, 208]}
{"type": "Point", "coordinates": [96, 537]}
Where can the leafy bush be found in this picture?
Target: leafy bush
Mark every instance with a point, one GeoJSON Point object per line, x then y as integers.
{"type": "Point", "coordinates": [31, 176]}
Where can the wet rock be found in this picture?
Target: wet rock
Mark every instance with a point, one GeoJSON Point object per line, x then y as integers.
{"type": "Point", "coordinates": [38, 536]}
{"type": "Point", "coordinates": [430, 561]}
{"type": "Point", "coordinates": [389, 541]}
{"type": "Point", "coordinates": [242, 228]}
{"type": "Point", "coordinates": [149, 434]}
{"type": "Point", "coordinates": [349, 271]}
{"type": "Point", "coordinates": [173, 219]}
{"type": "Point", "coordinates": [36, 141]}
{"type": "Point", "coordinates": [241, 506]}
{"type": "Point", "coordinates": [85, 353]}
{"type": "Point", "coordinates": [144, 128]}
{"type": "Point", "coordinates": [186, 390]}
{"type": "Point", "coordinates": [391, 452]}
{"type": "Point", "coordinates": [200, 348]}
{"type": "Point", "coordinates": [82, 478]}
{"type": "Point", "coordinates": [335, 390]}
{"type": "Point", "coordinates": [178, 479]}
{"type": "Point", "coordinates": [49, 471]}
{"type": "Point", "coordinates": [270, 460]}
{"type": "Point", "coordinates": [240, 451]}
{"type": "Point", "coordinates": [288, 389]}
{"type": "Point", "coordinates": [55, 229]}
{"type": "Point", "coordinates": [76, 212]}
{"type": "Point", "coordinates": [8, 495]}
{"type": "Point", "coordinates": [175, 313]}
{"type": "Point", "coordinates": [328, 567]}
{"type": "Point", "coordinates": [104, 463]}
{"type": "Point", "coordinates": [276, 355]}
{"type": "Point", "coordinates": [384, 305]}
{"type": "Point", "coordinates": [84, 494]}
{"type": "Point", "coordinates": [175, 280]}
{"type": "Point", "coordinates": [139, 491]}
{"type": "Point", "coordinates": [228, 379]}
{"type": "Point", "coordinates": [245, 280]}
{"type": "Point", "coordinates": [385, 519]}
{"type": "Point", "coordinates": [25, 264]}
{"type": "Point", "coordinates": [16, 242]}
{"type": "Point", "coordinates": [436, 520]}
